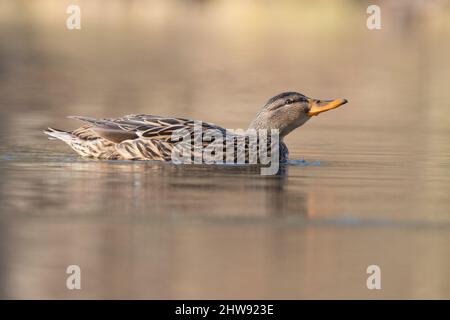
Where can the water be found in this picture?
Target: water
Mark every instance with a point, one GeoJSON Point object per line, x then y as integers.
{"type": "Point", "coordinates": [367, 183]}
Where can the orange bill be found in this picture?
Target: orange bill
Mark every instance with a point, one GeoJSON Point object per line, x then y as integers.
{"type": "Point", "coordinates": [319, 106]}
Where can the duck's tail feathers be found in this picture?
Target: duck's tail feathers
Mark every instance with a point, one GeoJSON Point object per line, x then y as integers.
{"type": "Point", "coordinates": [54, 134]}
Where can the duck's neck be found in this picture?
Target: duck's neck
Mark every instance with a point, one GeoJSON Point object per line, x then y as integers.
{"type": "Point", "coordinates": [257, 124]}
{"type": "Point", "coordinates": [260, 125]}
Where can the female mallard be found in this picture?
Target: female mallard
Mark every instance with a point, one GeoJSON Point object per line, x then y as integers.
{"type": "Point", "coordinates": [148, 137]}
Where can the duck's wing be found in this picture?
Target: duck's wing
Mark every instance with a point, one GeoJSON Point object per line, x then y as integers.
{"type": "Point", "coordinates": [143, 126]}
{"type": "Point", "coordinates": [142, 136]}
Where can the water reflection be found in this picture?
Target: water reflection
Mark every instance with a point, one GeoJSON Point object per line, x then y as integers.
{"type": "Point", "coordinates": [145, 188]}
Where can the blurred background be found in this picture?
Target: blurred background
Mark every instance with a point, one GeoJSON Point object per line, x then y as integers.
{"type": "Point", "coordinates": [367, 184]}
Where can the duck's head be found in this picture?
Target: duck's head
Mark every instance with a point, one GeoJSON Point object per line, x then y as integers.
{"type": "Point", "coordinates": [289, 110]}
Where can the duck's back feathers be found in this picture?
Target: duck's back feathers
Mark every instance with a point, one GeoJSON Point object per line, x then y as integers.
{"type": "Point", "coordinates": [132, 137]}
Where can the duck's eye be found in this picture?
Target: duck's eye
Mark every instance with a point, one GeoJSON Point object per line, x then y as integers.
{"type": "Point", "coordinates": [289, 101]}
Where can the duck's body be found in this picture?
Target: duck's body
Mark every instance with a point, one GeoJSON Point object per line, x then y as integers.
{"type": "Point", "coordinates": [149, 137]}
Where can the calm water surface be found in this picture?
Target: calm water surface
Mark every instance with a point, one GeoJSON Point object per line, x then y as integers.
{"type": "Point", "coordinates": [367, 184]}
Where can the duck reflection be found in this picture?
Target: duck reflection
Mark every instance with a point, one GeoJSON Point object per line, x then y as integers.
{"type": "Point", "coordinates": [146, 188]}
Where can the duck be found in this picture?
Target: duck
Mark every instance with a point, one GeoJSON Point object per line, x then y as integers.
{"type": "Point", "coordinates": [151, 137]}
